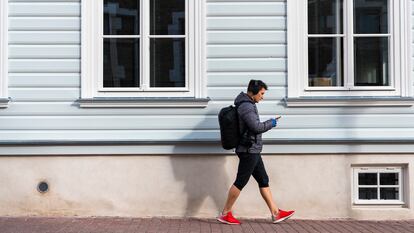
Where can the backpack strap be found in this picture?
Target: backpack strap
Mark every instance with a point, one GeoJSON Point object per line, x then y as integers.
{"type": "Point", "coordinates": [246, 128]}
{"type": "Point", "coordinates": [237, 106]}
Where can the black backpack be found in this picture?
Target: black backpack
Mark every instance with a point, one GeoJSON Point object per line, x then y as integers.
{"type": "Point", "coordinates": [229, 126]}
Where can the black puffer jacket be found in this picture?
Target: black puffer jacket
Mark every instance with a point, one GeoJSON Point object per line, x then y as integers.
{"type": "Point", "coordinates": [249, 117]}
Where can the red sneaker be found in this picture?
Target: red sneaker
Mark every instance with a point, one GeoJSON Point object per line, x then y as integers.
{"type": "Point", "coordinates": [283, 215]}
{"type": "Point", "coordinates": [228, 219]}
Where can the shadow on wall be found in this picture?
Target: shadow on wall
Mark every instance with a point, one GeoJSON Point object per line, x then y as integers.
{"type": "Point", "coordinates": [204, 177]}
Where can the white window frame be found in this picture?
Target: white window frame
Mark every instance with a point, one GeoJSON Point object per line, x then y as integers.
{"type": "Point", "coordinates": [4, 54]}
{"type": "Point", "coordinates": [92, 62]}
{"type": "Point", "coordinates": [377, 170]}
{"type": "Point", "coordinates": [399, 56]}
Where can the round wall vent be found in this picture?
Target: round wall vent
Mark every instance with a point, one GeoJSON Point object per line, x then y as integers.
{"type": "Point", "coordinates": [43, 187]}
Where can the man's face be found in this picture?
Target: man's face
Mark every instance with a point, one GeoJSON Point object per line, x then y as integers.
{"type": "Point", "coordinates": [259, 96]}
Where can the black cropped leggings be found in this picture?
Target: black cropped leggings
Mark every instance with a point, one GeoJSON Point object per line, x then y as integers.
{"type": "Point", "coordinates": [251, 164]}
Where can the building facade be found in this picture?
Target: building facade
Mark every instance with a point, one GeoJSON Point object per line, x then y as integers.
{"type": "Point", "coordinates": [109, 107]}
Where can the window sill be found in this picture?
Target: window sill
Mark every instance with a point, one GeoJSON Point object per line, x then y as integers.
{"type": "Point", "coordinates": [4, 102]}
{"type": "Point", "coordinates": [104, 102]}
{"type": "Point", "coordinates": [363, 101]}
{"type": "Point", "coordinates": [363, 204]}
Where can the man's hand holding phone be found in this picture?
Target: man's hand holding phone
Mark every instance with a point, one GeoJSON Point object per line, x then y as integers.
{"type": "Point", "coordinates": [274, 121]}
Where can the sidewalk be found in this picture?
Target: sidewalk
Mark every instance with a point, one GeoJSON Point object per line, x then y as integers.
{"type": "Point", "coordinates": [158, 225]}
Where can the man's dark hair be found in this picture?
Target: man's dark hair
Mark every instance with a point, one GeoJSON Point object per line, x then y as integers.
{"type": "Point", "coordinates": [255, 86]}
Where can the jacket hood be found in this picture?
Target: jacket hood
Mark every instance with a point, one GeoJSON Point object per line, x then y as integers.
{"type": "Point", "coordinates": [242, 97]}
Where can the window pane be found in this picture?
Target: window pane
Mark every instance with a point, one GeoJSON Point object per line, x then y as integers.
{"type": "Point", "coordinates": [389, 194]}
{"type": "Point", "coordinates": [371, 61]}
{"type": "Point", "coordinates": [370, 16]}
{"type": "Point", "coordinates": [368, 193]}
{"type": "Point", "coordinates": [325, 62]}
{"type": "Point", "coordinates": [168, 17]}
{"type": "Point", "coordinates": [121, 63]}
{"type": "Point", "coordinates": [167, 62]}
{"type": "Point", "coordinates": [367, 178]}
{"type": "Point", "coordinates": [121, 17]}
{"type": "Point", "coordinates": [389, 178]}
{"type": "Point", "coordinates": [325, 16]}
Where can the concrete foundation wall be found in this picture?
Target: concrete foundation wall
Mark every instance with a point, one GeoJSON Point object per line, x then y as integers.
{"type": "Point", "coordinates": [317, 186]}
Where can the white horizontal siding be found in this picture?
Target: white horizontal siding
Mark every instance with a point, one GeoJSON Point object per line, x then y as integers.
{"type": "Point", "coordinates": [114, 122]}
{"type": "Point", "coordinates": [51, 1]}
{"type": "Point", "coordinates": [165, 122]}
{"type": "Point", "coordinates": [44, 57]}
{"type": "Point", "coordinates": [44, 65]}
{"type": "Point", "coordinates": [251, 37]}
{"type": "Point", "coordinates": [246, 8]}
{"type": "Point", "coordinates": [60, 9]}
{"type": "Point", "coordinates": [44, 80]}
{"type": "Point", "coordinates": [246, 39]}
{"type": "Point", "coordinates": [229, 93]}
{"type": "Point", "coordinates": [44, 51]}
{"type": "Point", "coordinates": [377, 133]}
{"type": "Point", "coordinates": [44, 23]}
{"type": "Point", "coordinates": [239, 79]}
{"type": "Point", "coordinates": [71, 94]}
{"type": "Point", "coordinates": [247, 23]}
{"type": "Point", "coordinates": [246, 51]}
{"type": "Point", "coordinates": [42, 94]}
{"type": "Point", "coordinates": [107, 135]}
{"type": "Point", "coordinates": [412, 40]}
{"type": "Point", "coordinates": [246, 64]}
{"type": "Point", "coordinates": [173, 135]}
{"type": "Point", "coordinates": [44, 37]}
{"type": "Point", "coordinates": [266, 108]}
{"type": "Point", "coordinates": [222, 1]}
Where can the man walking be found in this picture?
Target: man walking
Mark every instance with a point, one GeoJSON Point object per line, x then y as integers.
{"type": "Point", "coordinates": [249, 150]}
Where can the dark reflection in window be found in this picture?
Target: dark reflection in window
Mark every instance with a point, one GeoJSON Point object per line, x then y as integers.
{"type": "Point", "coordinates": [121, 17]}
{"type": "Point", "coordinates": [389, 178]}
{"type": "Point", "coordinates": [370, 16]}
{"type": "Point", "coordinates": [368, 193]}
{"type": "Point", "coordinates": [168, 17]}
{"type": "Point", "coordinates": [367, 179]}
{"type": "Point", "coordinates": [389, 194]}
{"type": "Point", "coordinates": [371, 61]}
{"type": "Point", "coordinates": [167, 62]}
{"type": "Point", "coordinates": [325, 16]}
{"type": "Point", "coordinates": [121, 62]}
{"type": "Point", "coordinates": [325, 62]}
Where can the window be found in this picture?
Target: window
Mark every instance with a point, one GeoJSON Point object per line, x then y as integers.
{"type": "Point", "coordinates": [349, 48]}
{"type": "Point", "coordinates": [143, 53]}
{"type": "Point", "coordinates": [3, 54]}
{"type": "Point", "coordinates": [378, 185]}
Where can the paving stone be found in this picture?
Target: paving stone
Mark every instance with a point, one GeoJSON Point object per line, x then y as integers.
{"type": "Point", "coordinates": [194, 225]}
